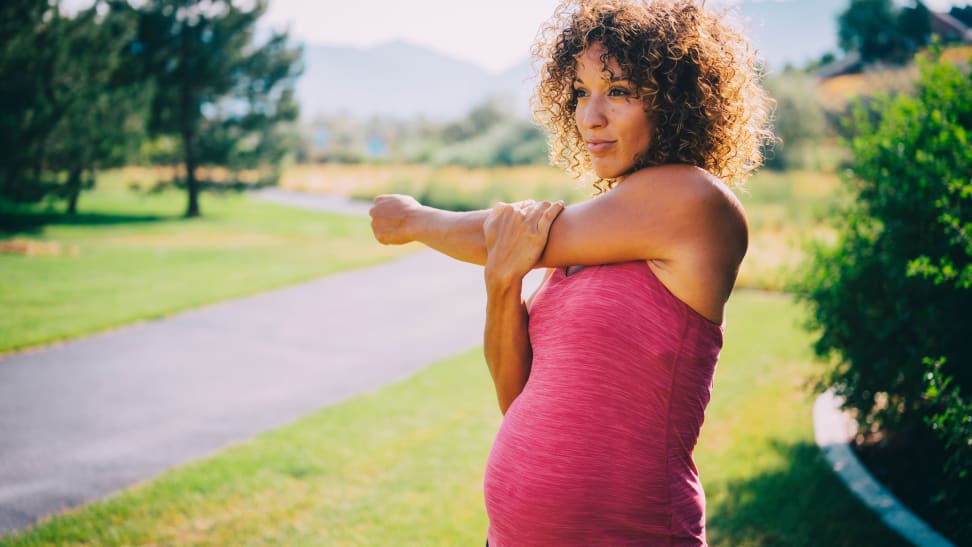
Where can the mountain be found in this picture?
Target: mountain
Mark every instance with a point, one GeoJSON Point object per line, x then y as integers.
{"type": "Point", "coordinates": [400, 80]}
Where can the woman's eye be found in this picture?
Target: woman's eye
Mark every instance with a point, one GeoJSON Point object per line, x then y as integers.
{"type": "Point", "coordinates": [578, 93]}
{"type": "Point", "coordinates": [619, 92]}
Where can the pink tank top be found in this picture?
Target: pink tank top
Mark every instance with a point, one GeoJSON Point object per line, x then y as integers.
{"type": "Point", "coordinates": [597, 449]}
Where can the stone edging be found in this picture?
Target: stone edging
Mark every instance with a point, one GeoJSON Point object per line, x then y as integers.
{"type": "Point", "coordinates": [833, 428]}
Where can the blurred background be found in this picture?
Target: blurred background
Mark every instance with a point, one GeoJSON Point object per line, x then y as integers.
{"type": "Point", "coordinates": [136, 135]}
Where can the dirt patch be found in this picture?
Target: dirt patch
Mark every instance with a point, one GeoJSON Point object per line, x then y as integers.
{"type": "Point", "coordinates": [35, 247]}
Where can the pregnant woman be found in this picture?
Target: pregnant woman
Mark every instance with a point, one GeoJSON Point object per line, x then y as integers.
{"type": "Point", "coordinates": [604, 375]}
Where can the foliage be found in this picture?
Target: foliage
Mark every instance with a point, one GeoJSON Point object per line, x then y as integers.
{"type": "Point", "coordinates": [77, 93]}
{"type": "Point", "coordinates": [892, 292]}
{"type": "Point", "coordinates": [65, 106]}
{"type": "Point", "coordinates": [798, 120]}
{"type": "Point", "coordinates": [954, 421]}
{"type": "Point", "coordinates": [914, 28]}
{"type": "Point", "coordinates": [504, 143]}
{"type": "Point", "coordinates": [222, 95]}
{"type": "Point", "coordinates": [490, 135]}
{"type": "Point", "coordinates": [23, 118]}
{"type": "Point", "coordinates": [879, 31]}
{"type": "Point", "coordinates": [963, 14]}
{"type": "Point", "coordinates": [101, 111]}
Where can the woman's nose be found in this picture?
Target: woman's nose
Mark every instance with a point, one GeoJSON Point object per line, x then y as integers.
{"type": "Point", "coordinates": [592, 113]}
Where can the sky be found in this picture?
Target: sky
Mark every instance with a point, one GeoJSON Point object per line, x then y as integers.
{"type": "Point", "coordinates": [493, 34]}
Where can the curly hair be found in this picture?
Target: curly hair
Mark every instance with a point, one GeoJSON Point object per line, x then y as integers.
{"type": "Point", "coordinates": [697, 76]}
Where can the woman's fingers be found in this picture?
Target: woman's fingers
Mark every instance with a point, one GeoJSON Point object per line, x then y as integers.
{"type": "Point", "coordinates": [549, 215]}
{"type": "Point", "coordinates": [521, 219]}
{"type": "Point", "coordinates": [534, 216]}
{"type": "Point", "coordinates": [542, 215]}
{"type": "Point", "coordinates": [516, 234]}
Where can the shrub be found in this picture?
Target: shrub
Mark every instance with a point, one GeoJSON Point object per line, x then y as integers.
{"type": "Point", "coordinates": [891, 300]}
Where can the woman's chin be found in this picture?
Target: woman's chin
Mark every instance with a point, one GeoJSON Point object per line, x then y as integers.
{"type": "Point", "coordinates": [607, 168]}
{"type": "Point", "coordinates": [602, 171]}
{"type": "Point", "coordinates": [608, 173]}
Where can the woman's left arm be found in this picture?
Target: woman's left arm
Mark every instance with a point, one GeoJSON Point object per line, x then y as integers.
{"type": "Point", "coordinates": [515, 236]}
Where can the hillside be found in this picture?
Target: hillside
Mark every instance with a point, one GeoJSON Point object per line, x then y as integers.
{"type": "Point", "coordinates": [400, 80]}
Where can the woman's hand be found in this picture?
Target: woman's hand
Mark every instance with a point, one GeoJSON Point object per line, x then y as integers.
{"type": "Point", "coordinates": [393, 218]}
{"type": "Point", "coordinates": [516, 235]}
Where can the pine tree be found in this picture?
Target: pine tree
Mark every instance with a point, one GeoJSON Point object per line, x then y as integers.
{"type": "Point", "coordinates": [26, 113]}
{"type": "Point", "coordinates": [101, 108]}
{"type": "Point", "coordinates": [221, 94]}
{"type": "Point", "coordinates": [66, 108]}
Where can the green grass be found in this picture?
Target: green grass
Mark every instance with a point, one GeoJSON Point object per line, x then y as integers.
{"type": "Point", "coordinates": [403, 466]}
{"type": "Point", "coordinates": [765, 480]}
{"type": "Point", "coordinates": [130, 256]}
{"type": "Point", "coordinates": [785, 210]}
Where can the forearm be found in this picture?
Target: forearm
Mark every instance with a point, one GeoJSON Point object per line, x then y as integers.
{"type": "Point", "coordinates": [506, 339]}
{"type": "Point", "coordinates": [456, 234]}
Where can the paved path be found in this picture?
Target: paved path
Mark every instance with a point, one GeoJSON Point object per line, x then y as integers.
{"type": "Point", "coordinates": [319, 202]}
{"type": "Point", "coordinates": [82, 420]}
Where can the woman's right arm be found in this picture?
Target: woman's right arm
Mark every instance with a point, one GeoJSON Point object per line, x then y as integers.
{"type": "Point", "coordinates": [398, 219]}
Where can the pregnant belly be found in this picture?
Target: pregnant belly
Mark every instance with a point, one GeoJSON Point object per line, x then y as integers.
{"type": "Point", "coordinates": [560, 475]}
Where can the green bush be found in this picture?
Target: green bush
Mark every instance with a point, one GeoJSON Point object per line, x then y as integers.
{"type": "Point", "coordinates": [894, 293]}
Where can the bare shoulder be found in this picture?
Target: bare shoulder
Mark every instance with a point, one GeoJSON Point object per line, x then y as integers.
{"type": "Point", "coordinates": [698, 202]}
{"type": "Point", "coordinates": [687, 188]}
{"type": "Point", "coordinates": [688, 183]}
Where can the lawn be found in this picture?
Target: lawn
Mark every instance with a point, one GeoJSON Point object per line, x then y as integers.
{"type": "Point", "coordinates": [403, 465]}
{"type": "Point", "coordinates": [130, 256]}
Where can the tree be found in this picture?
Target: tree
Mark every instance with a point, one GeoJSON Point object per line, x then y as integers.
{"type": "Point", "coordinates": [963, 14]}
{"type": "Point", "coordinates": [64, 108]}
{"type": "Point", "coordinates": [26, 114]}
{"type": "Point", "coordinates": [101, 109]}
{"type": "Point", "coordinates": [914, 27]}
{"type": "Point", "coordinates": [222, 95]}
{"type": "Point", "coordinates": [867, 27]}
{"type": "Point", "coordinates": [890, 301]}
{"type": "Point", "coordinates": [878, 31]}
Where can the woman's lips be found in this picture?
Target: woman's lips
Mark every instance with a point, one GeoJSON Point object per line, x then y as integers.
{"type": "Point", "coordinates": [599, 147]}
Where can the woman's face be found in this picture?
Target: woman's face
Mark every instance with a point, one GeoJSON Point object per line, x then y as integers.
{"type": "Point", "coordinates": [612, 121]}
